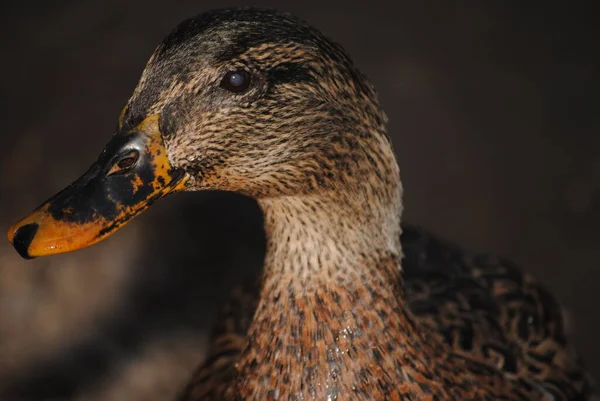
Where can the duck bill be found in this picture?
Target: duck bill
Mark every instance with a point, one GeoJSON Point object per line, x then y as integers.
{"type": "Point", "coordinates": [105, 198]}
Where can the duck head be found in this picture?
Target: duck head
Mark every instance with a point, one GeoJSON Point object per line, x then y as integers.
{"type": "Point", "coordinates": [246, 100]}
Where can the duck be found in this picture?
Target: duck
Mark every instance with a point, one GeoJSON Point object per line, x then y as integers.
{"type": "Point", "coordinates": [351, 303]}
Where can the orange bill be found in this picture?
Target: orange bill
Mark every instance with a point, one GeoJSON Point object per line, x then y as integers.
{"type": "Point", "coordinates": [131, 173]}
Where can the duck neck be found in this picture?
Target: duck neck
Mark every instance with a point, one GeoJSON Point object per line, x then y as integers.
{"type": "Point", "coordinates": [330, 321]}
{"type": "Point", "coordinates": [315, 239]}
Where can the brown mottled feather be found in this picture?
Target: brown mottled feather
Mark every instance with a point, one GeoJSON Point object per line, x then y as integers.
{"type": "Point", "coordinates": [332, 318]}
{"type": "Point", "coordinates": [486, 308]}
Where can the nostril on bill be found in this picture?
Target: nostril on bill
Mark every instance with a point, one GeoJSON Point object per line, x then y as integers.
{"type": "Point", "coordinates": [23, 237]}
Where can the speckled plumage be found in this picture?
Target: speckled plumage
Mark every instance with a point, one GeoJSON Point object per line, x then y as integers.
{"type": "Point", "coordinates": [332, 318]}
{"type": "Point", "coordinates": [484, 307]}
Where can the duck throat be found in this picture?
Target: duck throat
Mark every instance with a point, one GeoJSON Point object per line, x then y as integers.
{"type": "Point", "coordinates": [330, 324]}
{"type": "Point", "coordinates": [312, 236]}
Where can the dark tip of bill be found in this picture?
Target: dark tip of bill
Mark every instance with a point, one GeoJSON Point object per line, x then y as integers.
{"type": "Point", "coordinates": [23, 237]}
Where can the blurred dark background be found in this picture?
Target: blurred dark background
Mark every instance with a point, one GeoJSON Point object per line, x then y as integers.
{"type": "Point", "coordinates": [493, 110]}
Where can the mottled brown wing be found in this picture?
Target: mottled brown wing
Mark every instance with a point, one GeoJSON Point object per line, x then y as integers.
{"type": "Point", "coordinates": [489, 310]}
{"type": "Point", "coordinates": [486, 308]}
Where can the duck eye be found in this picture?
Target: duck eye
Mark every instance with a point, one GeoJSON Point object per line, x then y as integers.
{"type": "Point", "coordinates": [125, 162]}
{"type": "Point", "coordinates": [236, 81]}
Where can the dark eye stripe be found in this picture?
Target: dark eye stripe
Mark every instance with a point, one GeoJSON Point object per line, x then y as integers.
{"type": "Point", "coordinates": [289, 73]}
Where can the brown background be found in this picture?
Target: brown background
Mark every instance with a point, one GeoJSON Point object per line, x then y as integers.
{"type": "Point", "coordinates": [493, 111]}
